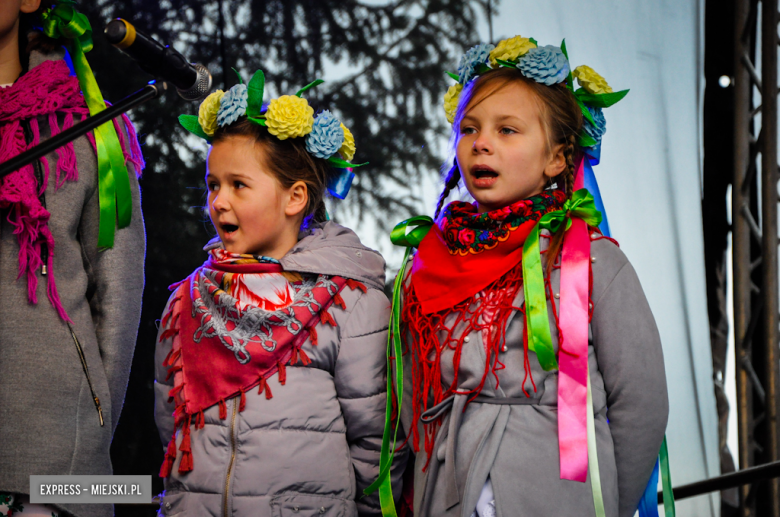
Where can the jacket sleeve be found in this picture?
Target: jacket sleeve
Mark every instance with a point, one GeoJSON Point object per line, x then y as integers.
{"type": "Point", "coordinates": [630, 358]}
{"type": "Point", "coordinates": [163, 410]}
{"type": "Point", "coordinates": [116, 278]}
{"type": "Point", "coordinates": [361, 386]}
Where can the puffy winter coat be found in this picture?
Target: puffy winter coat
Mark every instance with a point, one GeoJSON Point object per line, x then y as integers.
{"type": "Point", "coordinates": [314, 446]}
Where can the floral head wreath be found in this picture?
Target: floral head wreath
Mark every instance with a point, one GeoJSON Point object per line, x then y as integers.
{"type": "Point", "coordinates": [289, 116]}
{"type": "Point", "coordinates": [547, 65]}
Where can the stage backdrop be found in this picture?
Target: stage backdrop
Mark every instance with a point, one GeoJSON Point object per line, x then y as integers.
{"type": "Point", "coordinates": [651, 184]}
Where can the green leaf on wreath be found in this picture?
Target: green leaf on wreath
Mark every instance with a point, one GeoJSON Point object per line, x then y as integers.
{"type": "Point", "coordinates": [255, 91]}
{"type": "Point", "coordinates": [190, 123]}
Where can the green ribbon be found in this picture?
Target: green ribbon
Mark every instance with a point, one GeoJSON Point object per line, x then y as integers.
{"type": "Point", "coordinates": [666, 481]}
{"type": "Point", "coordinates": [580, 205]}
{"type": "Point", "coordinates": [593, 458]}
{"type": "Point", "coordinates": [409, 234]}
{"type": "Point", "coordinates": [116, 205]}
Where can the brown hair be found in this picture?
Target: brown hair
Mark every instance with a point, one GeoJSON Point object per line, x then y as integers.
{"type": "Point", "coordinates": [288, 161]}
{"type": "Point", "coordinates": [561, 121]}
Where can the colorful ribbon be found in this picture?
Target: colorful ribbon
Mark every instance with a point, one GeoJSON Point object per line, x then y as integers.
{"type": "Point", "coordinates": [648, 506]}
{"type": "Point", "coordinates": [409, 234]}
{"type": "Point", "coordinates": [340, 183]}
{"type": "Point", "coordinates": [540, 341]}
{"type": "Point", "coordinates": [587, 179]}
{"type": "Point", "coordinates": [64, 21]}
{"type": "Point", "coordinates": [593, 457]}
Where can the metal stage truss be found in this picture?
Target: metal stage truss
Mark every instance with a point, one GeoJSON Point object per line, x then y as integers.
{"type": "Point", "coordinates": [755, 242]}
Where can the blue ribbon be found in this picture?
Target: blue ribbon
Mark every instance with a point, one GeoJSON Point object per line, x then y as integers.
{"type": "Point", "coordinates": [592, 157]}
{"type": "Point", "coordinates": [339, 184]}
{"type": "Point", "coordinates": [648, 505]}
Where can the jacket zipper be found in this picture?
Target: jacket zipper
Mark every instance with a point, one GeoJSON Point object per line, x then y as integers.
{"type": "Point", "coordinates": [232, 457]}
{"type": "Point", "coordinates": [95, 398]}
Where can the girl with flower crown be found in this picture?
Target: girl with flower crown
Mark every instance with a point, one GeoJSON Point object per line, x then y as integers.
{"type": "Point", "coordinates": [534, 372]}
{"type": "Point", "coordinates": [270, 363]}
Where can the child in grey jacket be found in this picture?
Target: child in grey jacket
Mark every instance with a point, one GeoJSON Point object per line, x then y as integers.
{"type": "Point", "coordinates": [271, 357]}
{"type": "Point", "coordinates": [534, 364]}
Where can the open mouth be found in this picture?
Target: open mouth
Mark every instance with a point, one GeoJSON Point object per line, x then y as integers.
{"type": "Point", "coordinates": [229, 228]}
{"type": "Point", "coordinates": [480, 172]}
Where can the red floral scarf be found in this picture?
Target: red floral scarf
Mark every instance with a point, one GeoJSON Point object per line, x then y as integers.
{"type": "Point", "coordinates": [225, 345]}
{"type": "Point", "coordinates": [474, 249]}
{"type": "Point", "coordinates": [468, 265]}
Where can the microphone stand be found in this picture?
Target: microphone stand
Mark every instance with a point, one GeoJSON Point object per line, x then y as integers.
{"type": "Point", "coordinates": [150, 91]}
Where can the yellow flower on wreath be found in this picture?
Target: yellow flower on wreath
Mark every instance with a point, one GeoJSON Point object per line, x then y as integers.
{"type": "Point", "coordinates": [510, 49]}
{"type": "Point", "coordinates": [451, 101]}
{"type": "Point", "coordinates": [289, 116]}
{"type": "Point", "coordinates": [207, 113]}
{"type": "Point", "coordinates": [347, 150]}
{"type": "Point", "coordinates": [591, 81]}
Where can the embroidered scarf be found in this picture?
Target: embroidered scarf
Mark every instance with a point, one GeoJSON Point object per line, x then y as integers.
{"type": "Point", "coordinates": [235, 321]}
{"type": "Point", "coordinates": [483, 253]}
{"type": "Point", "coordinates": [47, 90]}
{"type": "Point", "coordinates": [476, 249]}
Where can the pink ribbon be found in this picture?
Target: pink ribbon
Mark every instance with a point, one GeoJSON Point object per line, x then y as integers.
{"type": "Point", "coordinates": [573, 352]}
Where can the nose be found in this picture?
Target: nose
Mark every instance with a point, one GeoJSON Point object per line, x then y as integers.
{"type": "Point", "coordinates": [482, 144]}
{"type": "Point", "coordinates": [219, 202]}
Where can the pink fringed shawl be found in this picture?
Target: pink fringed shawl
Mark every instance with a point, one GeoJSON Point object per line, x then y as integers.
{"type": "Point", "coordinates": [48, 90]}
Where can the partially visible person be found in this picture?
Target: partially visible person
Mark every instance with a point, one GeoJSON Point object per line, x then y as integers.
{"type": "Point", "coordinates": [69, 310]}
{"type": "Point", "coordinates": [270, 365]}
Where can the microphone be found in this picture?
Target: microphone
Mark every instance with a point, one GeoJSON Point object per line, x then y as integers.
{"type": "Point", "coordinates": [192, 81]}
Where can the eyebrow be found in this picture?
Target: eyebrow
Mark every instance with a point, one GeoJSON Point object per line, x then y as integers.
{"type": "Point", "coordinates": [233, 175]}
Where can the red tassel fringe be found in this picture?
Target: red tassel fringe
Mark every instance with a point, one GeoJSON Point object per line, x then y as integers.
{"type": "Point", "coordinates": [354, 284]}
{"type": "Point", "coordinates": [428, 347]}
{"type": "Point", "coordinates": [325, 317]}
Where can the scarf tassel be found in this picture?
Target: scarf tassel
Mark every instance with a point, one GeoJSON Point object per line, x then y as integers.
{"type": "Point", "coordinates": [325, 317]}
{"type": "Point", "coordinates": [200, 420]}
{"type": "Point", "coordinates": [174, 391]}
{"type": "Point", "coordinates": [170, 457]}
{"type": "Point", "coordinates": [282, 372]}
{"type": "Point", "coordinates": [222, 409]}
{"type": "Point", "coordinates": [173, 370]}
{"type": "Point", "coordinates": [338, 300]}
{"type": "Point", "coordinates": [304, 358]}
{"type": "Point", "coordinates": [242, 403]}
{"type": "Point", "coordinates": [313, 336]}
{"type": "Point", "coordinates": [186, 451]}
{"type": "Point", "coordinates": [172, 356]}
{"type": "Point", "coordinates": [354, 284]}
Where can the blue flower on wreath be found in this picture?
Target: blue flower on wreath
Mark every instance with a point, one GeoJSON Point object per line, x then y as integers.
{"type": "Point", "coordinates": [326, 136]}
{"type": "Point", "coordinates": [546, 65]}
{"type": "Point", "coordinates": [475, 56]}
{"type": "Point", "coordinates": [232, 105]}
{"type": "Point", "coordinates": [595, 132]}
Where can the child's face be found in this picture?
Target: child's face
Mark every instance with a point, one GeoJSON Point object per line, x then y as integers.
{"type": "Point", "coordinates": [502, 149]}
{"type": "Point", "coordinates": [252, 212]}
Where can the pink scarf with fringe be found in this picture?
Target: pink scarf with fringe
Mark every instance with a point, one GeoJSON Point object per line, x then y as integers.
{"type": "Point", "coordinates": [48, 90]}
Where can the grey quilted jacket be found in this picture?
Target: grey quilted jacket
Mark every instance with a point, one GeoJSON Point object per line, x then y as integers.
{"type": "Point", "coordinates": [312, 448]}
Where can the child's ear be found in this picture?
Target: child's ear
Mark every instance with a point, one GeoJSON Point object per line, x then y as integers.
{"type": "Point", "coordinates": [557, 163]}
{"type": "Point", "coordinates": [298, 198]}
{"type": "Point", "coordinates": [30, 6]}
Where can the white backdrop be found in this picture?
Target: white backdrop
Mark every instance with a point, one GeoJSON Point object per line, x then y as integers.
{"type": "Point", "coordinates": [650, 182]}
